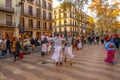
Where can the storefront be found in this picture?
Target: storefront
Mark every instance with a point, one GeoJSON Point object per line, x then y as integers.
{"type": "Point", "coordinates": [38, 35]}
{"type": "Point", "coordinates": [28, 34]}
{"type": "Point", "coordinates": [6, 33]}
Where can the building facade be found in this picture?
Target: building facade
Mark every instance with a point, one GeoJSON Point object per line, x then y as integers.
{"type": "Point", "coordinates": [7, 18]}
{"type": "Point", "coordinates": [64, 21]}
{"type": "Point", "coordinates": [36, 18]}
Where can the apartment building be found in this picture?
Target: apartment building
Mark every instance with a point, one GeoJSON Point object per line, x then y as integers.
{"type": "Point", "coordinates": [36, 18]}
{"type": "Point", "coordinates": [47, 16]}
{"type": "Point", "coordinates": [65, 21]}
{"type": "Point", "coordinates": [7, 18]}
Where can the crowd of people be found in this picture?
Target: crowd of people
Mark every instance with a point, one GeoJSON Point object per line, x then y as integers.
{"type": "Point", "coordinates": [60, 46]}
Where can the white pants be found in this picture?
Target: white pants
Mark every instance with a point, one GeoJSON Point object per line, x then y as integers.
{"type": "Point", "coordinates": [68, 52]}
{"type": "Point", "coordinates": [57, 56]}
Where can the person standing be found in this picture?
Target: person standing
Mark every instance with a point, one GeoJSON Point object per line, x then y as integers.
{"type": "Point", "coordinates": [8, 44]}
{"type": "Point", "coordinates": [32, 43]}
{"type": "Point", "coordinates": [57, 56]}
{"type": "Point", "coordinates": [117, 41]}
{"type": "Point", "coordinates": [16, 48]}
{"type": "Point", "coordinates": [3, 47]}
{"type": "Point", "coordinates": [68, 49]}
{"type": "Point", "coordinates": [110, 47]}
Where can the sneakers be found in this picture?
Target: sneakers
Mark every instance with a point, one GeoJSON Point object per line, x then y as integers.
{"type": "Point", "coordinates": [113, 63]}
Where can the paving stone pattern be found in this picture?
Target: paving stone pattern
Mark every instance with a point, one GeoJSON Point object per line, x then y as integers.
{"type": "Point", "coordinates": [88, 64]}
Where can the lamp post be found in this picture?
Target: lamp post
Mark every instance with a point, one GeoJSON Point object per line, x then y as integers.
{"type": "Point", "coordinates": [19, 20]}
{"type": "Point", "coordinates": [65, 31]}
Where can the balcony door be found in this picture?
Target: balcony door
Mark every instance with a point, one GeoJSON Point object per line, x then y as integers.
{"type": "Point", "coordinates": [8, 3]}
{"type": "Point", "coordinates": [8, 20]}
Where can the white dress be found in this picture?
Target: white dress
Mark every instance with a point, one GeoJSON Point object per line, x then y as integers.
{"type": "Point", "coordinates": [44, 48]}
{"type": "Point", "coordinates": [80, 45]}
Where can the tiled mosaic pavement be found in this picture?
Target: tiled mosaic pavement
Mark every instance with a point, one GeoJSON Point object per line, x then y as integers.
{"type": "Point", "coordinates": [88, 64]}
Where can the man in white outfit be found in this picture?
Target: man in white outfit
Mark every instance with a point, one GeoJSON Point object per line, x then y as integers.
{"type": "Point", "coordinates": [68, 49]}
{"type": "Point", "coordinates": [57, 56]}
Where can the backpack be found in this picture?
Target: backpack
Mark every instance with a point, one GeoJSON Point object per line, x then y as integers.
{"type": "Point", "coordinates": [111, 45]}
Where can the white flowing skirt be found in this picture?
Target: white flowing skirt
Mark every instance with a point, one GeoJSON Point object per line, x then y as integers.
{"type": "Point", "coordinates": [57, 56]}
{"type": "Point", "coordinates": [79, 45]}
{"type": "Point", "coordinates": [68, 52]}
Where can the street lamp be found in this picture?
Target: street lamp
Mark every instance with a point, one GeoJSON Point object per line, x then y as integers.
{"type": "Point", "coordinates": [65, 31]}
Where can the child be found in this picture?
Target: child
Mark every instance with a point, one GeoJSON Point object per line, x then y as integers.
{"type": "Point", "coordinates": [110, 47]}
{"type": "Point", "coordinates": [79, 46]}
{"type": "Point", "coordinates": [43, 49]}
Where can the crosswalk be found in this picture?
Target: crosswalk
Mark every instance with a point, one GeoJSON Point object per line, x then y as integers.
{"type": "Point", "coordinates": [88, 64]}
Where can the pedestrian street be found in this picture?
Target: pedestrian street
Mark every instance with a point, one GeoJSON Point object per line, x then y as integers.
{"type": "Point", "coordinates": [88, 64]}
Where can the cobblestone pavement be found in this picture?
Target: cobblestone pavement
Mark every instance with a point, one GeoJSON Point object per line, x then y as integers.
{"type": "Point", "coordinates": [88, 64]}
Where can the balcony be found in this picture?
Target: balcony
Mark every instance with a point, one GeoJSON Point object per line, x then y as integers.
{"type": "Point", "coordinates": [32, 15]}
{"type": "Point", "coordinates": [8, 24]}
{"type": "Point", "coordinates": [7, 9]}
{"type": "Point", "coordinates": [44, 6]}
{"type": "Point", "coordinates": [31, 27]}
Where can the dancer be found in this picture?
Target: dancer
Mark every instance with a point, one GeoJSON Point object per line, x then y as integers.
{"type": "Point", "coordinates": [79, 45]}
{"type": "Point", "coordinates": [49, 47]}
{"type": "Point", "coordinates": [110, 47]}
{"type": "Point", "coordinates": [68, 49]}
{"type": "Point", "coordinates": [44, 49]}
{"type": "Point", "coordinates": [57, 56]}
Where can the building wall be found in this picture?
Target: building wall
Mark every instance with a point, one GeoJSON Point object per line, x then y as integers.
{"type": "Point", "coordinates": [70, 20]}
{"type": "Point", "coordinates": [6, 29]}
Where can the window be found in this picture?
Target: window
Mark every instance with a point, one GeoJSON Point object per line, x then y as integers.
{"type": "Point", "coordinates": [59, 10]}
{"type": "Point", "coordinates": [44, 15]}
{"type": "Point", "coordinates": [37, 12]}
{"type": "Point", "coordinates": [37, 2]}
{"type": "Point", "coordinates": [54, 17]}
{"type": "Point", "coordinates": [55, 24]}
{"type": "Point", "coordinates": [30, 23]}
{"type": "Point", "coordinates": [38, 24]}
{"type": "Point", "coordinates": [50, 26]}
{"type": "Point", "coordinates": [50, 16]}
{"type": "Point", "coordinates": [8, 3]}
{"type": "Point", "coordinates": [59, 23]}
{"type": "Point", "coordinates": [55, 12]}
{"type": "Point", "coordinates": [50, 6]}
{"type": "Point", "coordinates": [8, 20]}
{"type": "Point", "coordinates": [44, 25]}
{"type": "Point", "coordinates": [44, 4]}
{"type": "Point", "coordinates": [60, 16]}
{"type": "Point", "coordinates": [65, 15]}
{"type": "Point", "coordinates": [70, 15]}
{"type": "Point", "coordinates": [70, 22]}
{"type": "Point", "coordinates": [65, 22]}
{"type": "Point", "coordinates": [23, 22]}
{"type": "Point", "coordinates": [30, 10]}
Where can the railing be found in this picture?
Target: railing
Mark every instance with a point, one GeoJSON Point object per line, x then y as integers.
{"type": "Point", "coordinates": [31, 14]}
{"type": "Point", "coordinates": [7, 9]}
{"type": "Point", "coordinates": [62, 25]}
{"type": "Point", "coordinates": [8, 24]}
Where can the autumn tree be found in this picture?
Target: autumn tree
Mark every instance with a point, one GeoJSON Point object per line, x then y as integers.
{"type": "Point", "coordinates": [106, 14]}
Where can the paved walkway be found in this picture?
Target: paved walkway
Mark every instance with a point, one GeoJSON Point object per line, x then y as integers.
{"type": "Point", "coordinates": [88, 64]}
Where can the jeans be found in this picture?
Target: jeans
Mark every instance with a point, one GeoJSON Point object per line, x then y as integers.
{"type": "Point", "coordinates": [3, 53]}
{"type": "Point", "coordinates": [8, 48]}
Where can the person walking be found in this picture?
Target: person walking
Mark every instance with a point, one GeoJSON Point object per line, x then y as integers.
{"type": "Point", "coordinates": [16, 48]}
{"type": "Point", "coordinates": [8, 44]}
{"type": "Point", "coordinates": [57, 56]}
{"type": "Point", "coordinates": [68, 49]}
{"type": "Point", "coordinates": [3, 47]}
